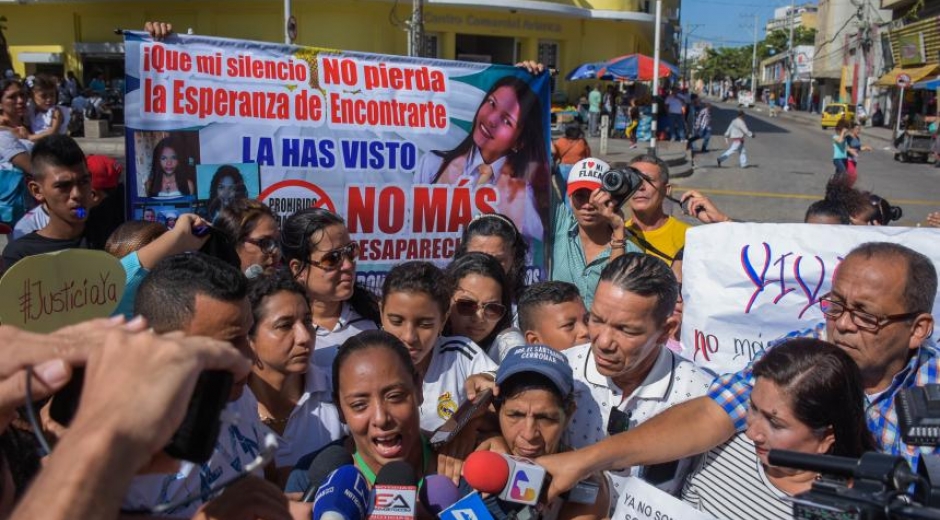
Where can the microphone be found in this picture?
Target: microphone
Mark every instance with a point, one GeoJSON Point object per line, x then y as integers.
{"type": "Point", "coordinates": [330, 458]}
{"type": "Point", "coordinates": [343, 496]}
{"type": "Point", "coordinates": [470, 507]}
{"type": "Point", "coordinates": [438, 493]}
{"type": "Point", "coordinates": [395, 492]}
{"type": "Point", "coordinates": [254, 271]}
{"type": "Point", "coordinates": [514, 479]}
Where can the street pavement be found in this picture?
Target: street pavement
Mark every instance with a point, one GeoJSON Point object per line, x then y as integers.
{"type": "Point", "coordinates": [790, 161]}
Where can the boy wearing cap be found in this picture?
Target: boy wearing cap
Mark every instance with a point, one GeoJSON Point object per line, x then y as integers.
{"type": "Point", "coordinates": [105, 176]}
{"type": "Point", "coordinates": [62, 184]}
{"type": "Point", "coordinates": [590, 233]}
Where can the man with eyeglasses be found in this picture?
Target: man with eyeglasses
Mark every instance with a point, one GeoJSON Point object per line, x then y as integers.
{"type": "Point", "coordinates": [878, 312]}
{"type": "Point", "coordinates": [626, 375]}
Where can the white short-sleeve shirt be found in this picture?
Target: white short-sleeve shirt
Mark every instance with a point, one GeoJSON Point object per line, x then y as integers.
{"type": "Point", "coordinates": [453, 360]}
{"type": "Point", "coordinates": [349, 324]}
{"type": "Point", "coordinates": [313, 423]}
{"type": "Point", "coordinates": [672, 380]}
{"type": "Point", "coordinates": [240, 441]}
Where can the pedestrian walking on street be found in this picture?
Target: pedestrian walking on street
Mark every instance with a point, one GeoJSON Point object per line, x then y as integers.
{"type": "Point", "coordinates": [736, 133]}
{"type": "Point", "coordinates": [840, 149]}
{"type": "Point", "coordinates": [855, 148]}
{"type": "Point", "coordinates": [702, 129]}
{"type": "Point", "coordinates": [594, 111]}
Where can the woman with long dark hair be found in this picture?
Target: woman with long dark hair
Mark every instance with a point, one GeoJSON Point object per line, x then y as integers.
{"type": "Point", "coordinates": [170, 173]}
{"type": "Point", "coordinates": [480, 308]}
{"type": "Point", "coordinates": [807, 397]}
{"type": "Point", "coordinates": [504, 148]}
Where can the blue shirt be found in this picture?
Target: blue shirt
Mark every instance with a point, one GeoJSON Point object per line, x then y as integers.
{"type": "Point", "coordinates": [568, 261]}
{"type": "Point", "coordinates": [733, 391]}
{"type": "Point", "coordinates": [134, 276]}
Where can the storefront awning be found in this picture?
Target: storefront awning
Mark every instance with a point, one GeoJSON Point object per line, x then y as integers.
{"type": "Point", "coordinates": [916, 74]}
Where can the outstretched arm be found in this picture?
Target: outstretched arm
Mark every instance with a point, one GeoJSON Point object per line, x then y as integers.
{"type": "Point", "coordinates": [684, 430]}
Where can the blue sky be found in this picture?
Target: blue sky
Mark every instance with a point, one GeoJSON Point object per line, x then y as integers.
{"type": "Point", "coordinates": [728, 22]}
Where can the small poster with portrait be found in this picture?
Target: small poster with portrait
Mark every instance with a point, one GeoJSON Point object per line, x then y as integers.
{"type": "Point", "coordinates": [217, 185]}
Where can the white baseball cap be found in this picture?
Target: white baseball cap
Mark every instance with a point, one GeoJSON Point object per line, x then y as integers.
{"type": "Point", "coordinates": [586, 174]}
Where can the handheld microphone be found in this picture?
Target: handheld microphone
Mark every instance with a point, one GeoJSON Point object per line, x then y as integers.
{"type": "Point", "coordinates": [438, 493]}
{"type": "Point", "coordinates": [330, 458]}
{"type": "Point", "coordinates": [515, 479]}
{"type": "Point", "coordinates": [343, 496]}
{"type": "Point", "coordinates": [470, 507]}
{"type": "Point", "coordinates": [254, 271]}
{"type": "Point", "coordinates": [395, 492]}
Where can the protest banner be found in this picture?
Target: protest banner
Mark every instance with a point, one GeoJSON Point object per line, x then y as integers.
{"type": "Point", "coordinates": [746, 287]}
{"type": "Point", "coordinates": [641, 501]}
{"type": "Point", "coordinates": [407, 150]}
{"type": "Point", "coordinates": [42, 293]}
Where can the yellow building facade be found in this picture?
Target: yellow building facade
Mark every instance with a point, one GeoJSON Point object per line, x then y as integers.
{"type": "Point", "coordinates": [79, 36]}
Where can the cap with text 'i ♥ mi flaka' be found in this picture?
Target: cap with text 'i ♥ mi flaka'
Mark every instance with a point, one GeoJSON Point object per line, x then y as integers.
{"type": "Point", "coordinates": [586, 174]}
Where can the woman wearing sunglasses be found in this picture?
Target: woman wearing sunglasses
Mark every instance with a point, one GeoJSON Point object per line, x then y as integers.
{"type": "Point", "coordinates": [482, 298]}
{"type": "Point", "coordinates": [416, 299]}
{"type": "Point", "coordinates": [252, 227]}
{"type": "Point", "coordinates": [322, 257]}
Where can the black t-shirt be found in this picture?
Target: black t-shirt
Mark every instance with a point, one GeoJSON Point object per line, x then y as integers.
{"type": "Point", "coordinates": [36, 244]}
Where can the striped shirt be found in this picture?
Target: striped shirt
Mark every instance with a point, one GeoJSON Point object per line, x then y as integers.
{"type": "Point", "coordinates": [730, 483]}
{"type": "Point", "coordinates": [732, 392]}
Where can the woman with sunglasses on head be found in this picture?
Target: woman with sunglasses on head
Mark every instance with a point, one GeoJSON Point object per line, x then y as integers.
{"type": "Point", "coordinates": [482, 299]}
{"type": "Point", "coordinates": [497, 236]}
{"type": "Point", "coordinates": [293, 398]}
{"type": "Point", "coordinates": [322, 257]}
{"type": "Point", "coordinates": [252, 228]}
{"type": "Point", "coordinates": [807, 397]}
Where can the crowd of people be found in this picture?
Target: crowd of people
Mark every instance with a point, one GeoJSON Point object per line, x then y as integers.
{"type": "Point", "coordinates": [586, 367]}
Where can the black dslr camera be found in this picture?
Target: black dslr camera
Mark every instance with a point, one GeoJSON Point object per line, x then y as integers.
{"type": "Point", "coordinates": [884, 211]}
{"type": "Point", "coordinates": [621, 184]}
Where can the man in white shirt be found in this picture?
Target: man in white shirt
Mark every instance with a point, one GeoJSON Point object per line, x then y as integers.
{"type": "Point", "coordinates": [626, 375]}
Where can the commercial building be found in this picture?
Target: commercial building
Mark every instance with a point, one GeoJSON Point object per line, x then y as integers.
{"type": "Point", "coordinates": [799, 16]}
{"type": "Point", "coordinates": [774, 70]}
{"type": "Point", "coordinates": [78, 35]}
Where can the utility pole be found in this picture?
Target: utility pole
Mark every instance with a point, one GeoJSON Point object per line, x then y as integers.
{"type": "Point", "coordinates": [689, 29]}
{"type": "Point", "coordinates": [791, 17]}
{"type": "Point", "coordinates": [861, 53]}
{"type": "Point", "coordinates": [287, 21]}
{"type": "Point", "coordinates": [416, 29]}
{"type": "Point", "coordinates": [754, 63]}
{"type": "Point", "coordinates": [653, 129]}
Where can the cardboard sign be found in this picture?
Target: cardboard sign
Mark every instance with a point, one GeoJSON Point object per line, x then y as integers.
{"type": "Point", "coordinates": [46, 292]}
{"type": "Point", "coordinates": [747, 287]}
{"type": "Point", "coordinates": [641, 501]}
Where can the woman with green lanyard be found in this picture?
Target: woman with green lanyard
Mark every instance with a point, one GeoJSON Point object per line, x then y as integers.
{"type": "Point", "coordinates": [378, 391]}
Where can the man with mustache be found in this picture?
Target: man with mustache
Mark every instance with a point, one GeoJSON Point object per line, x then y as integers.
{"type": "Point", "coordinates": [651, 229]}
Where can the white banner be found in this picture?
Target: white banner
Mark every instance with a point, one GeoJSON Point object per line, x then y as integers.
{"type": "Point", "coordinates": [641, 501]}
{"type": "Point", "coordinates": [747, 287]}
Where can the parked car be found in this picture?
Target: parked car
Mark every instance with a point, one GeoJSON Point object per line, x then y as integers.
{"type": "Point", "coordinates": [745, 98]}
{"type": "Point", "coordinates": [836, 111]}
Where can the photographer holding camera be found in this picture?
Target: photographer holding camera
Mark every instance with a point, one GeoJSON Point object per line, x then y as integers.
{"type": "Point", "coordinates": [650, 229]}
{"type": "Point", "coordinates": [589, 233]}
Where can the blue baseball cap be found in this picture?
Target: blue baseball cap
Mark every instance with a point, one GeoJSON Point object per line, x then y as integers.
{"type": "Point", "coordinates": [538, 359]}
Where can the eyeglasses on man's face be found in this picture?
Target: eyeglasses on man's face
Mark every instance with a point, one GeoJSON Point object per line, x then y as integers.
{"type": "Point", "coordinates": [834, 309]}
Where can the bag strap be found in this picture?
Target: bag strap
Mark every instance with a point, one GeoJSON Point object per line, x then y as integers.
{"type": "Point", "coordinates": [650, 247]}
